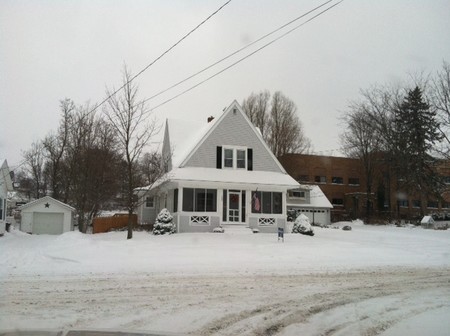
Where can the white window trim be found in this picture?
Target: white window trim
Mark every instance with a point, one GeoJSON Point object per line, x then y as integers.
{"type": "Point", "coordinates": [298, 197]}
{"type": "Point", "coordinates": [235, 149]}
{"type": "Point", "coordinates": [153, 202]}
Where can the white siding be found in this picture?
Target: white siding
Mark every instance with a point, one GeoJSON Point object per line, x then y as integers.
{"type": "Point", "coordinates": [26, 222]}
{"type": "Point", "coordinates": [233, 130]}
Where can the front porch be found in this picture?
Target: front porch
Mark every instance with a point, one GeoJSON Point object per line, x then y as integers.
{"type": "Point", "coordinates": [201, 208]}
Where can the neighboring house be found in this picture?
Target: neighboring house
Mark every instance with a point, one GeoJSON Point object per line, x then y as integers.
{"type": "Point", "coordinates": [312, 202]}
{"type": "Point", "coordinates": [5, 187]}
{"type": "Point", "coordinates": [46, 216]}
{"type": "Point", "coordinates": [220, 172]}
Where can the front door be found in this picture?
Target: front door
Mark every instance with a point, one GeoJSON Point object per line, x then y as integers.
{"type": "Point", "coordinates": [234, 204]}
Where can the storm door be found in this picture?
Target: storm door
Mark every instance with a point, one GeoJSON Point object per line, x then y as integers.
{"type": "Point", "coordinates": [234, 206]}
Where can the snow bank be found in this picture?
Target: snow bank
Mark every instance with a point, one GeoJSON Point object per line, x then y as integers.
{"type": "Point", "coordinates": [364, 247]}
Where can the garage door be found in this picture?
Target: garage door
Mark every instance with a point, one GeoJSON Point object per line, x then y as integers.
{"type": "Point", "coordinates": [48, 223]}
{"type": "Point", "coordinates": [320, 217]}
{"type": "Point", "coordinates": [316, 216]}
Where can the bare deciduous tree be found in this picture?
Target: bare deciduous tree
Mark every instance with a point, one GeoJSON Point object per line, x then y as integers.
{"type": "Point", "coordinates": [130, 119]}
{"type": "Point", "coordinates": [55, 146]}
{"type": "Point", "coordinates": [151, 167]}
{"type": "Point", "coordinates": [361, 140]}
{"type": "Point", "coordinates": [441, 102]}
{"type": "Point", "coordinates": [278, 122]}
{"type": "Point", "coordinates": [256, 107]}
{"type": "Point", "coordinates": [34, 166]}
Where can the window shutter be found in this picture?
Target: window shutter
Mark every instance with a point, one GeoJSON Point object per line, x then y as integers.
{"type": "Point", "coordinates": [249, 159]}
{"type": "Point", "coordinates": [219, 157]}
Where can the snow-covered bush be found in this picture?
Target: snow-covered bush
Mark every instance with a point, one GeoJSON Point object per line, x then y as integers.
{"type": "Point", "coordinates": [164, 223]}
{"type": "Point", "coordinates": [218, 229]}
{"type": "Point", "coordinates": [291, 215]}
{"type": "Point", "coordinates": [302, 225]}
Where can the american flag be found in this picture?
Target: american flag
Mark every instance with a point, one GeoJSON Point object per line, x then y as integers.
{"type": "Point", "coordinates": [256, 203]}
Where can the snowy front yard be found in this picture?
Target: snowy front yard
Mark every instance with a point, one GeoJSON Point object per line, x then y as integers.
{"type": "Point", "coordinates": [371, 280]}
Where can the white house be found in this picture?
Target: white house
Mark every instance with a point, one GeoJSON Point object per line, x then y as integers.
{"type": "Point", "coordinates": [5, 187]}
{"type": "Point", "coordinates": [46, 216]}
{"type": "Point", "coordinates": [218, 173]}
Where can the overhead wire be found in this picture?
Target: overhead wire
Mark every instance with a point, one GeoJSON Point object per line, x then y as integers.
{"type": "Point", "coordinates": [243, 58]}
{"type": "Point", "coordinates": [159, 57]}
{"type": "Point", "coordinates": [237, 51]}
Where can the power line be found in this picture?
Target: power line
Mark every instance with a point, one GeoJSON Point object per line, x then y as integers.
{"type": "Point", "coordinates": [160, 56]}
{"type": "Point", "coordinates": [243, 58]}
{"type": "Point", "coordinates": [237, 51]}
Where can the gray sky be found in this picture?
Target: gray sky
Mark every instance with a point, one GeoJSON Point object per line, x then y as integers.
{"type": "Point", "coordinates": [50, 50]}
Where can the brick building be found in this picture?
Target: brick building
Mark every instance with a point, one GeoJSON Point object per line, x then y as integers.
{"type": "Point", "coordinates": [343, 182]}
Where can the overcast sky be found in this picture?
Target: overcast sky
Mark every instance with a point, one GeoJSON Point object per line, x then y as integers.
{"type": "Point", "coordinates": [50, 50]}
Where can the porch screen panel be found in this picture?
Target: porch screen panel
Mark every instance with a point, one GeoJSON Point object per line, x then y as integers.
{"type": "Point", "coordinates": [188, 199]}
{"type": "Point", "coordinates": [175, 200]}
{"type": "Point", "coordinates": [256, 202]}
{"type": "Point", "coordinates": [211, 200]}
{"type": "Point", "coordinates": [200, 200]}
{"type": "Point", "coordinates": [277, 203]}
{"type": "Point", "coordinates": [267, 202]}
{"type": "Point", "coordinates": [224, 202]}
{"type": "Point", "coordinates": [243, 207]}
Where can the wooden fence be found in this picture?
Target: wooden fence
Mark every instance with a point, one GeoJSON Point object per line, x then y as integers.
{"type": "Point", "coordinates": [118, 221]}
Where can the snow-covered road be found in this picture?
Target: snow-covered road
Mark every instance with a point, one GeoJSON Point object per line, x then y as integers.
{"type": "Point", "coordinates": [358, 303]}
{"type": "Point", "coordinates": [373, 280]}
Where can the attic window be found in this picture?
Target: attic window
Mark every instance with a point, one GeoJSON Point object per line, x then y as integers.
{"type": "Point", "coordinates": [235, 157]}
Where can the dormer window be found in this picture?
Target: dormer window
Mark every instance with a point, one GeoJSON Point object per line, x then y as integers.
{"type": "Point", "coordinates": [228, 157]}
{"type": "Point", "coordinates": [235, 157]}
{"type": "Point", "coordinates": [241, 162]}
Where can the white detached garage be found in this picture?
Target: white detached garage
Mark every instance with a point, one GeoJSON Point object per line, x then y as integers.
{"type": "Point", "coordinates": [46, 216]}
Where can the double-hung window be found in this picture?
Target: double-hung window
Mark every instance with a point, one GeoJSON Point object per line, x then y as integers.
{"type": "Point", "coordinates": [149, 202]}
{"type": "Point", "coordinates": [228, 157]}
{"type": "Point", "coordinates": [235, 157]}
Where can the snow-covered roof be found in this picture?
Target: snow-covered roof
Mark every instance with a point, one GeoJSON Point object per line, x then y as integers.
{"type": "Point", "coordinates": [230, 176]}
{"type": "Point", "coordinates": [46, 199]}
{"type": "Point", "coordinates": [317, 197]}
{"type": "Point", "coordinates": [184, 136]}
{"type": "Point", "coordinates": [427, 219]}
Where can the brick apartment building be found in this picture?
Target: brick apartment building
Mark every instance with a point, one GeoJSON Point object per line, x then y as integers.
{"type": "Point", "coordinates": [343, 182]}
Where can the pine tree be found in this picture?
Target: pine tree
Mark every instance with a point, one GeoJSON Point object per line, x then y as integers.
{"type": "Point", "coordinates": [164, 223]}
{"type": "Point", "coordinates": [417, 131]}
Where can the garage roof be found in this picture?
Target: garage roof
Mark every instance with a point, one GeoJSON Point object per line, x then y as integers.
{"type": "Point", "coordinates": [46, 199]}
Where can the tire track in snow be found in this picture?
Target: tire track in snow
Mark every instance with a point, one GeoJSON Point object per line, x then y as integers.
{"type": "Point", "coordinates": [220, 305]}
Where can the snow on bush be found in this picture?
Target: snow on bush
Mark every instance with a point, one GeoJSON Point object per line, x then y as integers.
{"type": "Point", "coordinates": [164, 223]}
{"type": "Point", "coordinates": [302, 225]}
{"type": "Point", "coordinates": [218, 229]}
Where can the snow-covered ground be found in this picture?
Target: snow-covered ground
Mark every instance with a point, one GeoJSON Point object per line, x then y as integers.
{"type": "Point", "coordinates": [373, 280]}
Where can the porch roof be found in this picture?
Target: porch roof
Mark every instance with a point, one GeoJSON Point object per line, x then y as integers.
{"type": "Point", "coordinates": [229, 176]}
